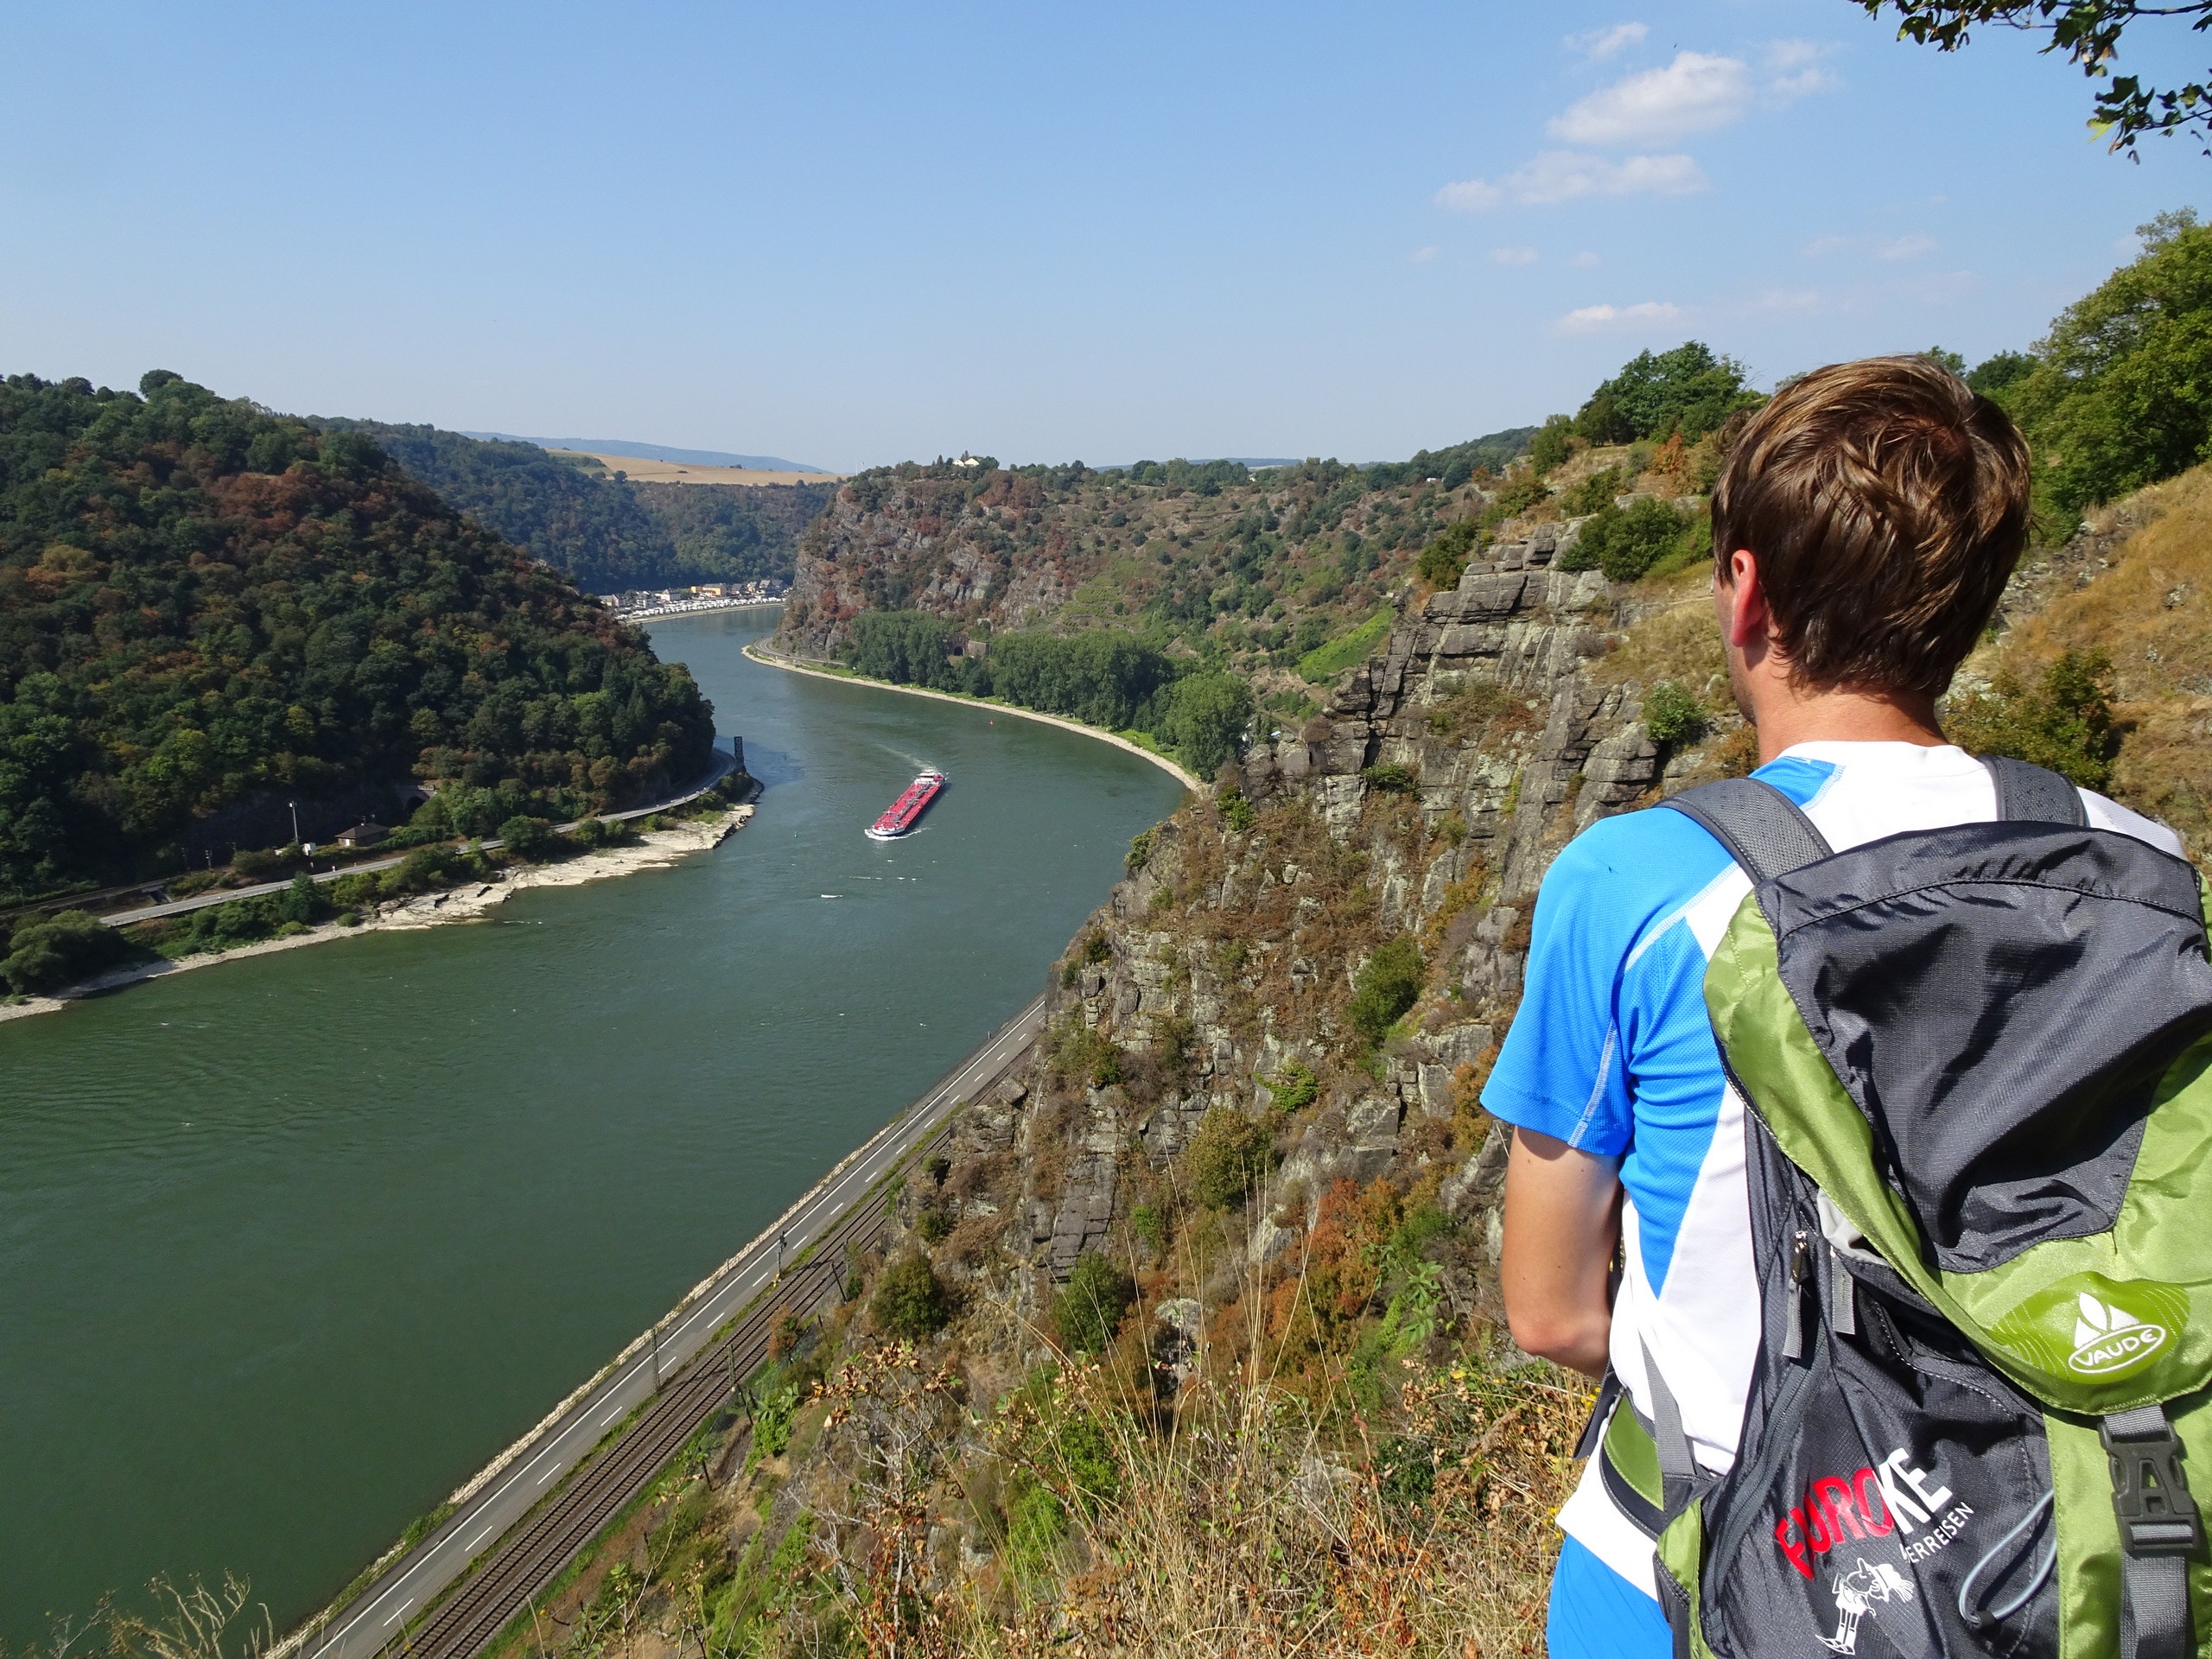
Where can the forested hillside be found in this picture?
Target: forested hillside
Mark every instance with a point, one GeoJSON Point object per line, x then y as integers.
{"type": "Point", "coordinates": [609, 533]}
{"type": "Point", "coordinates": [207, 612]}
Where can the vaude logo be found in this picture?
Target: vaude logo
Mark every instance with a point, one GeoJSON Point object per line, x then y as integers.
{"type": "Point", "coordinates": [2107, 1337]}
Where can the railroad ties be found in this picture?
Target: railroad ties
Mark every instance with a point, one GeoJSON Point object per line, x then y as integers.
{"type": "Point", "coordinates": [531, 1555]}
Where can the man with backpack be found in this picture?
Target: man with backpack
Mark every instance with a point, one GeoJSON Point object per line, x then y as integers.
{"type": "Point", "coordinates": [1861, 1113]}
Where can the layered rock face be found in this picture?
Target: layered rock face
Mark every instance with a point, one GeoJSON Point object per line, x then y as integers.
{"type": "Point", "coordinates": [1426, 801]}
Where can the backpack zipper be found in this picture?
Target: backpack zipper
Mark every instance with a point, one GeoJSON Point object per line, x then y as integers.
{"type": "Point", "coordinates": [1779, 1431]}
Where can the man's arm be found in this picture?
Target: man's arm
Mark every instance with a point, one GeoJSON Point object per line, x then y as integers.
{"type": "Point", "coordinates": [1562, 1218]}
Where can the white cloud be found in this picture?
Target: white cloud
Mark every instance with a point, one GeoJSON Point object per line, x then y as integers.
{"type": "Point", "coordinates": [1825, 247]}
{"type": "Point", "coordinates": [1585, 260]}
{"type": "Point", "coordinates": [1590, 319]}
{"type": "Point", "coordinates": [1598, 43]}
{"type": "Point", "coordinates": [1788, 299]}
{"type": "Point", "coordinates": [1562, 176]}
{"type": "Point", "coordinates": [1904, 247]}
{"type": "Point", "coordinates": [1422, 256]}
{"type": "Point", "coordinates": [1514, 256]}
{"type": "Point", "coordinates": [1697, 93]}
{"type": "Point", "coordinates": [1794, 68]}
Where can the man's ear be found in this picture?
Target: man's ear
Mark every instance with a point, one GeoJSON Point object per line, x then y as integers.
{"type": "Point", "coordinates": [1744, 616]}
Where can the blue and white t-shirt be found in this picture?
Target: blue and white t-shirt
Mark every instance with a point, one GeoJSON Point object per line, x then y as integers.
{"type": "Point", "coordinates": [1611, 1053]}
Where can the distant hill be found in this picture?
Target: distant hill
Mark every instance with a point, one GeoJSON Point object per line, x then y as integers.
{"type": "Point", "coordinates": [207, 612]}
{"type": "Point", "coordinates": [611, 535]}
{"type": "Point", "coordinates": [656, 452]}
{"type": "Point", "coordinates": [1251, 568]}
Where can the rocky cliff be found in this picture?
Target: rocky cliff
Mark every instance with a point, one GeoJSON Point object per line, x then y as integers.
{"type": "Point", "coordinates": [1200, 1345]}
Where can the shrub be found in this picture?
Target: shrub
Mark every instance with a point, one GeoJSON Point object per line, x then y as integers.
{"type": "Point", "coordinates": [1444, 561]}
{"type": "Point", "coordinates": [934, 1226]}
{"type": "Point", "coordinates": [1391, 778]}
{"type": "Point", "coordinates": [909, 1302]}
{"type": "Point", "coordinates": [351, 892]}
{"type": "Point", "coordinates": [1671, 714]}
{"type": "Point", "coordinates": [1149, 1222]}
{"type": "Point", "coordinates": [1386, 988]}
{"type": "Point", "coordinates": [1088, 1056]}
{"type": "Point", "coordinates": [48, 955]}
{"type": "Point", "coordinates": [265, 867]}
{"type": "Point", "coordinates": [600, 832]}
{"type": "Point", "coordinates": [1140, 853]}
{"type": "Point", "coordinates": [937, 1167]}
{"type": "Point", "coordinates": [1593, 493]}
{"type": "Point", "coordinates": [1228, 1154]}
{"type": "Point", "coordinates": [301, 904]}
{"type": "Point", "coordinates": [1626, 543]}
{"type": "Point", "coordinates": [428, 868]}
{"type": "Point", "coordinates": [1239, 813]}
{"type": "Point", "coordinates": [2065, 722]}
{"type": "Point", "coordinates": [1089, 1307]}
{"type": "Point", "coordinates": [1295, 1088]}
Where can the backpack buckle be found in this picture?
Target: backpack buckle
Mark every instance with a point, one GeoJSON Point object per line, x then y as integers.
{"type": "Point", "coordinates": [2149, 1494]}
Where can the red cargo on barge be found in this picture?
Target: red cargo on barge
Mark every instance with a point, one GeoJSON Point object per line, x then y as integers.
{"type": "Point", "coordinates": [904, 812]}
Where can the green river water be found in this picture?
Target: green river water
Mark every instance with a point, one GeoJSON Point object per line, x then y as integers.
{"type": "Point", "coordinates": [292, 1245]}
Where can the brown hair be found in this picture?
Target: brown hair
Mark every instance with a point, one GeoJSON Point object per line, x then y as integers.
{"type": "Point", "coordinates": [1886, 505]}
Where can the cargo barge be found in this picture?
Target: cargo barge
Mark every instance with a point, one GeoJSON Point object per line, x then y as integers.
{"type": "Point", "coordinates": [904, 812]}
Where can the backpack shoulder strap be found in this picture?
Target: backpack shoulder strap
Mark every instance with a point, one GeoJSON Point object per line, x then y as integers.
{"type": "Point", "coordinates": [1762, 829]}
{"type": "Point", "coordinates": [2033, 794]}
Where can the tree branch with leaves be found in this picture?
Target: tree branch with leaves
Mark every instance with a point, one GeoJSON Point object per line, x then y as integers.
{"type": "Point", "coordinates": [2088, 33]}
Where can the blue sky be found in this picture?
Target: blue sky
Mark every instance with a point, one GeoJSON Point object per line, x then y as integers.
{"type": "Point", "coordinates": [850, 234]}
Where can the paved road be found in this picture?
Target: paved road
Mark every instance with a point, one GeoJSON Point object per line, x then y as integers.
{"type": "Point", "coordinates": [384, 1608]}
{"type": "Point", "coordinates": [724, 764]}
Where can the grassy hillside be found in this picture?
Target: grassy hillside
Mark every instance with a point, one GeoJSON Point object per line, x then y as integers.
{"type": "Point", "coordinates": [207, 612]}
{"type": "Point", "coordinates": [611, 534]}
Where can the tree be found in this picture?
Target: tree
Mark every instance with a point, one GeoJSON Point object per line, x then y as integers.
{"type": "Point", "coordinates": [909, 1300]}
{"type": "Point", "coordinates": [49, 955]}
{"type": "Point", "coordinates": [2089, 32]}
{"type": "Point", "coordinates": [2118, 397]}
{"type": "Point", "coordinates": [1690, 389]}
{"type": "Point", "coordinates": [528, 839]}
{"type": "Point", "coordinates": [1206, 717]}
{"type": "Point", "coordinates": [1999, 372]}
{"type": "Point", "coordinates": [1088, 1309]}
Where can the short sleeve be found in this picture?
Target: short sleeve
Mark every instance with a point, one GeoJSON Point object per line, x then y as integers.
{"type": "Point", "coordinates": [1560, 1072]}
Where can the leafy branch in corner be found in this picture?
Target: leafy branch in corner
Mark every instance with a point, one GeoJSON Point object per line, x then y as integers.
{"type": "Point", "coordinates": [2088, 33]}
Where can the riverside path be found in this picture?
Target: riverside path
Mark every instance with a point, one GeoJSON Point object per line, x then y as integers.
{"type": "Point", "coordinates": [724, 765]}
{"type": "Point", "coordinates": [668, 1382]}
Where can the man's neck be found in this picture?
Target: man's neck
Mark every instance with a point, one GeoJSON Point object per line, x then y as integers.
{"type": "Point", "coordinates": [1787, 717]}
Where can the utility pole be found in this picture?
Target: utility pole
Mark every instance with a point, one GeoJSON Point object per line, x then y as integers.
{"type": "Point", "coordinates": [294, 805]}
{"type": "Point", "coordinates": [655, 1336]}
{"type": "Point", "coordinates": [781, 1239]}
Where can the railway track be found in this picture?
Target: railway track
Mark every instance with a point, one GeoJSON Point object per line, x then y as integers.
{"type": "Point", "coordinates": [507, 1581]}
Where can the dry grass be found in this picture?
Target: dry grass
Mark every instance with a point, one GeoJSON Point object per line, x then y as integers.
{"type": "Point", "coordinates": [1680, 642]}
{"type": "Point", "coordinates": [642, 469]}
{"type": "Point", "coordinates": [2150, 612]}
{"type": "Point", "coordinates": [1258, 1526]}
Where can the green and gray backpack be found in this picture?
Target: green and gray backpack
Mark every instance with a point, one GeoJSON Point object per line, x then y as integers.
{"type": "Point", "coordinates": [1977, 1064]}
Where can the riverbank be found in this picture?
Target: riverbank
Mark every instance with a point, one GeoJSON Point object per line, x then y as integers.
{"type": "Point", "coordinates": [775, 659]}
{"type": "Point", "coordinates": [655, 849]}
